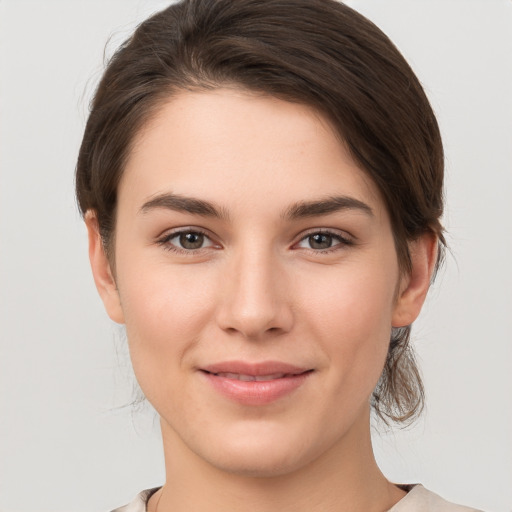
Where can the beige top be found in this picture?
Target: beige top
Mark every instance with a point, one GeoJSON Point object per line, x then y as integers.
{"type": "Point", "coordinates": [418, 499]}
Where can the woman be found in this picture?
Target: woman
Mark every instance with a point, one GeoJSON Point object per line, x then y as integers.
{"type": "Point", "coordinates": [262, 187]}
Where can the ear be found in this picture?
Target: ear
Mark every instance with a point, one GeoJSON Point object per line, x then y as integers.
{"type": "Point", "coordinates": [101, 270]}
{"type": "Point", "coordinates": [414, 285]}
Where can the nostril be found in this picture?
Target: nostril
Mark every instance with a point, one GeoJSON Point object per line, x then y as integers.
{"type": "Point", "coordinates": [254, 315]}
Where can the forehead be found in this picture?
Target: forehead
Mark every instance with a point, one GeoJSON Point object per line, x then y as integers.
{"type": "Point", "coordinates": [234, 146]}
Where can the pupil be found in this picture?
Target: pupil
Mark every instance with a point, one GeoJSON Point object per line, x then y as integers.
{"type": "Point", "coordinates": [320, 241]}
{"type": "Point", "coordinates": [191, 240]}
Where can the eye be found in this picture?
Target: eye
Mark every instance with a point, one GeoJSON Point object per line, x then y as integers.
{"type": "Point", "coordinates": [320, 241]}
{"type": "Point", "coordinates": [323, 241]}
{"type": "Point", "coordinates": [186, 241]}
{"type": "Point", "coordinates": [190, 240]}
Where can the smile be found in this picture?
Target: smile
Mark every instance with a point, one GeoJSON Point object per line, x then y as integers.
{"type": "Point", "coordinates": [255, 384]}
{"type": "Point", "coordinates": [252, 378]}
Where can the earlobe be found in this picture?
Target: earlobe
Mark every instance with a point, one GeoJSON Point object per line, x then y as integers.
{"type": "Point", "coordinates": [415, 285]}
{"type": "Point", "coordinates": [101, 270]}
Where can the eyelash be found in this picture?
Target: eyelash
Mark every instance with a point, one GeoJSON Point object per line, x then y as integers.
{"type": "Point", "coordinates": [343, 241]}
{"type": "Point", "coordinates": [166, 239]}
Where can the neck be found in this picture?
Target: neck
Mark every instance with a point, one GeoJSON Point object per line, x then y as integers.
{"type": "Point", "coordinates": [346, 477]}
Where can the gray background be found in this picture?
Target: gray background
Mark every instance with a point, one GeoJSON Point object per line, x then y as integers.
{"type": "Point", "coordinates": [65, 444]}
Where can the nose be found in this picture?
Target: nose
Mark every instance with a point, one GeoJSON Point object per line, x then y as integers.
{"type": "Point", "coordinates": [256, 301]}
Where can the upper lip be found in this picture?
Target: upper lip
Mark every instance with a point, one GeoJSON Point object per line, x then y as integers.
{"type": "Point", "coordinates": [255, 369]}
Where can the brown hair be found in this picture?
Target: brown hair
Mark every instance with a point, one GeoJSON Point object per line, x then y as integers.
{"type": "Point", "coordinates": [316, 52]}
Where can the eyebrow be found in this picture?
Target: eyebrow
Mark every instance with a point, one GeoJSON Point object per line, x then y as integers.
{"type": "Point", "coordinates": [326, 206]}
{"type": "Point", "coordinates": [176, 202]}
{"type": "Point", "coordinates": [298, 210]}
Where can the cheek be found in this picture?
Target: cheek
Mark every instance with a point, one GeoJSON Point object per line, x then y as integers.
{"type": "Point", "coordinates": [165, 312]}
{"type": "Point", "coordinates": [353, 323]}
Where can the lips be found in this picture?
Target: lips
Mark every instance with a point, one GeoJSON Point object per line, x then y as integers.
{"type": "Point", "coordinates": [251, 378]}
{"type": "Point", "coordinates": [255, 383]}
{"type": "Point", "coordinates": [262, 369]}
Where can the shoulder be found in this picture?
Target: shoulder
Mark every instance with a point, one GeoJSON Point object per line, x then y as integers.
{"type": "Point", "coordinates": [420, 499]}
{"type": "Point", "coordinates": [138, 504]}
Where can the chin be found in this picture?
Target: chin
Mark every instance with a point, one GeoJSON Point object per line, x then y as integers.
{"type": "Point", "coordinates": [257, 464]}
{"type": "Point", "coordinates": [260, 454]}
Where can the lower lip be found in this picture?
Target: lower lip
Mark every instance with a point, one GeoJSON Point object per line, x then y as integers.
{"type": "Point", "coordinates": [256, 392]}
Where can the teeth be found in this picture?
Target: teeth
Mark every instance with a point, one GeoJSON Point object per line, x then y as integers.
{"type": "Point", "coordinates": [269, 377]}
{"type": "Point", "coordinates": [229, 375]}
{"type": "Point", "coordinates": [251, 378]}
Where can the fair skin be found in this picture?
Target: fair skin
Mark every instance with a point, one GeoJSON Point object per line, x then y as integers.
{"type": "Point", "coordinates": [287, 257]}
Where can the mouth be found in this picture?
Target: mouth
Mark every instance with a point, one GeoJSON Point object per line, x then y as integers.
{"type": "Point", "coordinates": [267, 370]}
{"type": "Point", "coordinates": [254, 378]}
{"type": "Point", "coordinates": [255, 383]}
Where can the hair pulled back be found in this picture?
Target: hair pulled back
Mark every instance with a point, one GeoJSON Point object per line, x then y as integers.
{"type": "Point", "coordinates": [316, 52]}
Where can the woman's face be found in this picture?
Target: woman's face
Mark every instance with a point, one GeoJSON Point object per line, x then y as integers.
{"type": "Point", "coordinates": [258, 280]}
